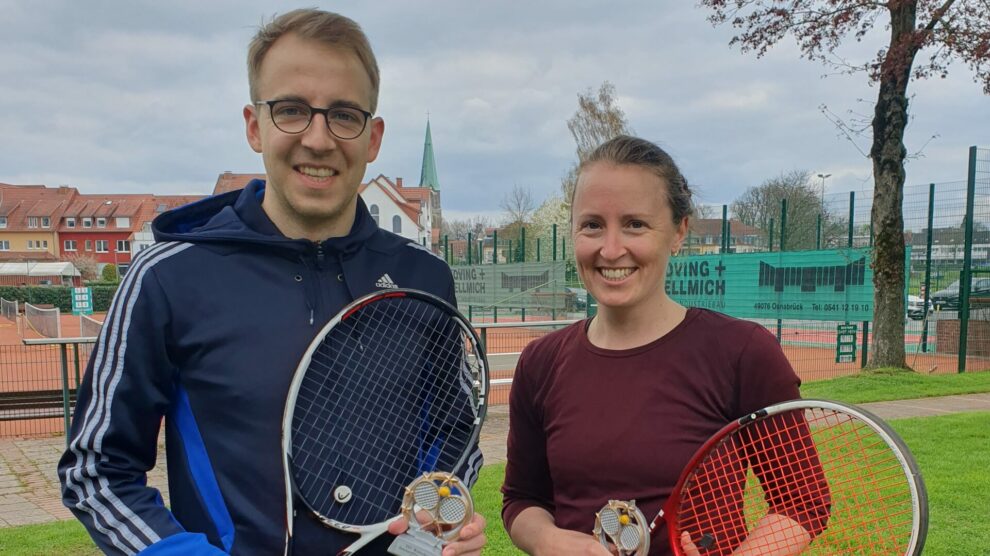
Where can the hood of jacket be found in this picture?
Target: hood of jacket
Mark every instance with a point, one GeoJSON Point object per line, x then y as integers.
{"type": "Point", "coordinates": [237, 217]}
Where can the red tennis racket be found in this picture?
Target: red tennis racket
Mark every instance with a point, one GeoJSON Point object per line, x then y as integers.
{"type": "Point", "coordinates": [800, 477]}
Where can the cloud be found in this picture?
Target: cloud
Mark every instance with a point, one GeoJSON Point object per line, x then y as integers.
{"type": "Point", "coordinates": [147, 96]}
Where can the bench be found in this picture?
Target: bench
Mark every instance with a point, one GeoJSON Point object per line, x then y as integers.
{"type": "Point", "coordinates": [35, 404]}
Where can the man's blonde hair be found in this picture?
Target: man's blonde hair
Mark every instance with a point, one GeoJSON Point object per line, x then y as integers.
{"type": "Point", "coordinates": [328, 28]}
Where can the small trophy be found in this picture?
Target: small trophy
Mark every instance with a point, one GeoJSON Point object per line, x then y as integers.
{"type": "Point", "coordinates": [437, 505]}
{"type": "Point", "coordinates": [622, 525]}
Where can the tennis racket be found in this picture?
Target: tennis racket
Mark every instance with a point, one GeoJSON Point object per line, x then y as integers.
{"type": "Point", "coordinates": [392, 387]}
{"type": "Point", "coordinates": [805, 476]}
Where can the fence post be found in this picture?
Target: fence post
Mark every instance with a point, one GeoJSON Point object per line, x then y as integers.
{"type": "Point", "coordinates": [446, 249]}
{"type": "Point", "coordinates": [928, 267]}
{"type": "Point", "coordinates": [66, 413]}
{"type": "Point", "coordinates": [783, 224]}
{"type": "Point", "coordinates": [852, 213]}
{"type": "Point", "coordinates": [722, 248]}
{"type": "Point", "coordinates": [469, 248]}
{"type": "Point", "coordinates": [538, 249]}
{"type": "Point", "coordinates": [770, 235]}
{"type": "Point", "coordinates": [522, 244]}
{"type": "Point", "coordinates": [554, 228]}
{"type": "Point", "coordinates": [494, 246]}
{"type": "Point", "coordinates": [75, 356]}
{"type": "Point", "coordinates": [965, 279]}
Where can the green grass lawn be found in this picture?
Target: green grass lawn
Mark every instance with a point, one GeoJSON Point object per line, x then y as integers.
{"type": "Point", "coordinates": [895, 384]}
{"type": "Point", "coordinates": [953, 451]}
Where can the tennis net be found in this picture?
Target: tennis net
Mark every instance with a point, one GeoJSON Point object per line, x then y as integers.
{"type": "Point", "coordinates": [47, 322]}
{"type": "Point", "coordinates": [8, 309]}
{"type": "Point", "coordinates": [89, 327]}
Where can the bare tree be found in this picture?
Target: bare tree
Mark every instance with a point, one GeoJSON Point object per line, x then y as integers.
{"type": "Point", "coordinates": [597, 119]}
{"type": "Point", "coordinates": [88, 266]}
{"type": "Point", "coordinates": [460, 228]}
{"type": "Point", "coordinates": [518, 205]}
{"type": "Point", "coordinates": [761, 205]}
{"type": "Point", "coordinates": [949, 29]}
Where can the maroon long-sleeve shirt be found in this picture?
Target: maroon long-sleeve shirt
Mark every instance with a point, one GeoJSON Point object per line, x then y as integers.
{"type": "Point", "coordinates": [588, 424]}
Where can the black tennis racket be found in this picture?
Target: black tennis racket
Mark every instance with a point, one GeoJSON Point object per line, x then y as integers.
{"type": "Point", "coordinates": [804, 476]}
{"type": "Point", "coordinates": [393, 387]}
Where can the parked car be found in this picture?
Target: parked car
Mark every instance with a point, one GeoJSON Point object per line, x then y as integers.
{"type": "Point", "coordinates": [916, 307]}
{"type": "Point", "coordinates": [580, 298]}
{"type": "Point", "coordinates": [948, 299]}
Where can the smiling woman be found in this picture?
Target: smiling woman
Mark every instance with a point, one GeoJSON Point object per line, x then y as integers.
{"type": "Point", "coordinates": [586, 401]}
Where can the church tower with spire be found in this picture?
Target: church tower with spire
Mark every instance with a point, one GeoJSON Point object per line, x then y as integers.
{"type": "Point", "coordinates": [428, 177]}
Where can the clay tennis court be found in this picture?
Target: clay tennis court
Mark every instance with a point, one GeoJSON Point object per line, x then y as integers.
{"type": "Point", "coordinates": [38, 368]}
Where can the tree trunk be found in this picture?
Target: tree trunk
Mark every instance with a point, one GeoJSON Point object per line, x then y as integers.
{"type": "Point", "coordinates": [888, 153]}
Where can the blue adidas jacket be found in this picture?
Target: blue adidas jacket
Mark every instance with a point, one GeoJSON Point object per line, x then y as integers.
{"type": "Point", "coordinates": [206, 331]}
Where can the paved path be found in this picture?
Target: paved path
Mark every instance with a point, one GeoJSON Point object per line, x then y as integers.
{"type": "Point", "coordinates": [29, 489]}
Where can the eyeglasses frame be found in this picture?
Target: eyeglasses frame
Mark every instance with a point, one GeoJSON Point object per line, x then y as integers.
{"type": "Point", "coordinates": [313, 112]}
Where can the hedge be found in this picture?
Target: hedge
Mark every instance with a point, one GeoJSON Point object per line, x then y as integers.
{"type": "Point", "coordinates": [58, 296]}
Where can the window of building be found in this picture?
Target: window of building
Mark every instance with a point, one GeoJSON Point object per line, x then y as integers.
{"type": "Point", "coordinates": [102, 246]}
{"type": "Point", "coordinates": [374, 213]}
{"type": "Point", "coordinates": [101, 222]}
{"type": "Point", "coordinates": [69, 245]}
{"type": "Point", "coordinates": [3, 221]}
{"type": "Point", "coordinates": [123, 246]}
{"type": "Point", "coordinates": [397, 224]}
{"type": "Point", "coordinates": [32, 221]}
{"type": "Point", "coordinates": [123, 222]}
{"type": "Point", "coordinates": [87, 222]}
{"type": "Point", "coordinates": [89, 245]}
{"type": "Point", "coordinates": [46, 222]}
{"type": "Point", "coordinates": [70, 222]}
{"type": "Point", "coordinates": [4, 245]}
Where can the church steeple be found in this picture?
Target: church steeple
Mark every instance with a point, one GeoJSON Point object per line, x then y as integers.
{"type": "Point", "coordinates": [428, 176]}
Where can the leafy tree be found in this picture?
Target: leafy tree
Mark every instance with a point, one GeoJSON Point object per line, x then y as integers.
{"type": "Point", "coordinates": [598, 119]}
{"type": "Point", "coordinates": [110, 273]}
{"type": "Point", "coordinates": [947, 30]}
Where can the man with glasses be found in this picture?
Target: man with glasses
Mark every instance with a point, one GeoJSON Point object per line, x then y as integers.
{"type": "Point", "coordinates": [209, 324]}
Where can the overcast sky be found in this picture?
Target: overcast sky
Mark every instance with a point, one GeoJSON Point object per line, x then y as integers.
{"type": "Point", "coordinates": [140, 96]}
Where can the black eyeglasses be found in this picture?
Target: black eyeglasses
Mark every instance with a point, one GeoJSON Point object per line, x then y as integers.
{"type": "Point", "coordinates": [293, 116]}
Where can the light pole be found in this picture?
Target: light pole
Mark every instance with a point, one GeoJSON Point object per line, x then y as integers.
{"type": "Point", "coordinates": [823, 176]}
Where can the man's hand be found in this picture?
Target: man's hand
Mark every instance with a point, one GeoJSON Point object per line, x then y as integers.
{"type": "Point", "coordinates": [470, 539]}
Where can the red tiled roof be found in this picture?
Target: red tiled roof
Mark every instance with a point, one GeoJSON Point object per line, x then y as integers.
{"type": "Point", "coordinates": [24, 256]}
{"type": "Point", "coordinates": [404, 203]}
{"type": "Point", "coordinates": [229, 181]}
{"type": "Point", "coordinates": [18, 202]}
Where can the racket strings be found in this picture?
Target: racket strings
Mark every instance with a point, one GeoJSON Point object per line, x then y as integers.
{"type": "Point", "coordinates": [378, 391]}
{"type": "Point", "coordinates": [829, 472]}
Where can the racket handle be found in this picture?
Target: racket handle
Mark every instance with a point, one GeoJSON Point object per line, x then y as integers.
{"type": "Point", "coordinates": [369, 534]}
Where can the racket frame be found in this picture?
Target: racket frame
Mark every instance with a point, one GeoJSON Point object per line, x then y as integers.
{"type": "Point", "coordinates": [481, 384]}
{"type": "Point", "coordinates": [916, 484]}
